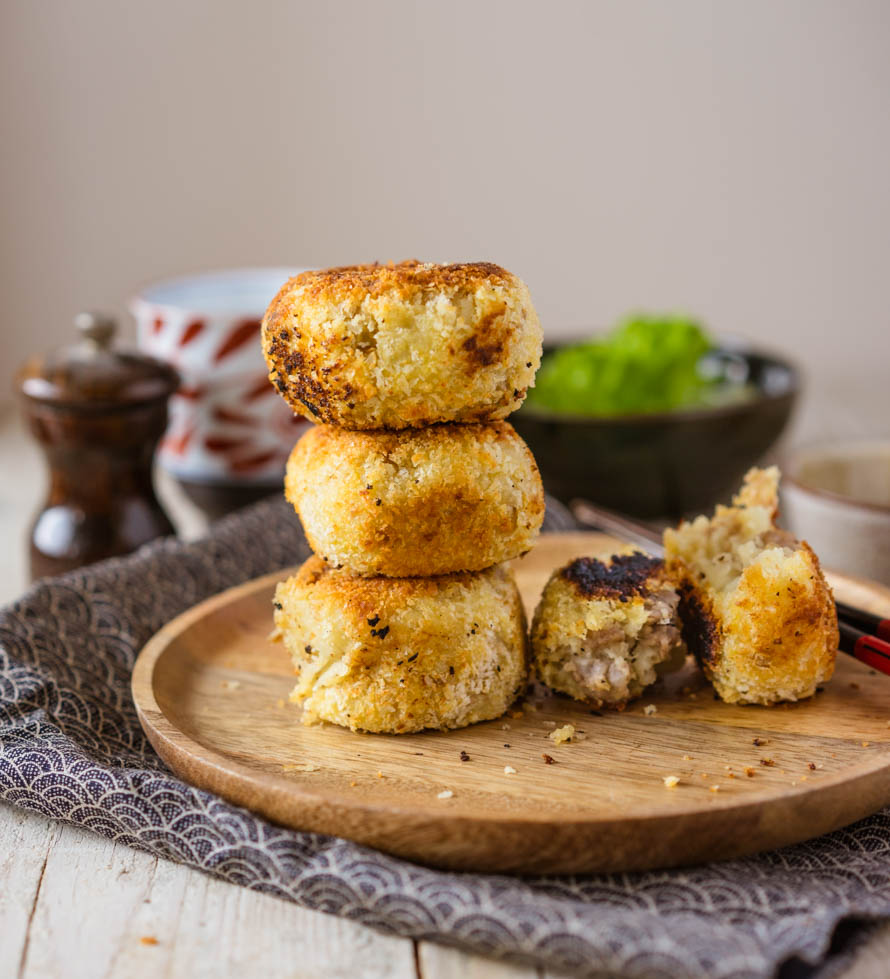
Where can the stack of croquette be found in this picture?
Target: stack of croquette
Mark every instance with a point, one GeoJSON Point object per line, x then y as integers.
{"type": "Point", "coordinates": [412, 490]}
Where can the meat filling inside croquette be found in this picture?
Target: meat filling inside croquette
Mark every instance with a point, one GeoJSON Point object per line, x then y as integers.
{"type": "Point", "coordinates": [617, 662]}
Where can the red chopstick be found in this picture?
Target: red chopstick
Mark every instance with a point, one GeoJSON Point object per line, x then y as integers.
{"type": "Point", "coordinates": [865, 621]}
{"type": "Point", "coordinates": [871, 650]}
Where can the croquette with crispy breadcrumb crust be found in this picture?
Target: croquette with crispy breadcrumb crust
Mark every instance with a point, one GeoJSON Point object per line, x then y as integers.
{"type": "Point", "coordinates": [403, 346]}
{"type": "Point", "coordinates": [756, 609]}
{"type": "Point", "coordinates": [396, 655]}
{"type": "Point", "coordinates": [606, 630]}
{"type": "Point", "coordinates": [416, 502]}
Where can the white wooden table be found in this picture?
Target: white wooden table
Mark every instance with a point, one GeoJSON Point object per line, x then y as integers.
{"type": "Point", "coordinates": [75, 905]}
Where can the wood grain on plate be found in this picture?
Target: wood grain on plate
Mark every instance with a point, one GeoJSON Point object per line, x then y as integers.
{"type": "Point", "coordinates": [211, 691]}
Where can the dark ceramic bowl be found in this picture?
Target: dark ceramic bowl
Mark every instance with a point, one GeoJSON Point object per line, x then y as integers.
{"type": "Point", "coordinates": [665, 465]}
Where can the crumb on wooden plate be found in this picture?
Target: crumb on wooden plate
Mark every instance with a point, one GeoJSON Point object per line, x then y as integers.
{"type": "Point", "coordinates": [445, 794]}
{"type": "Point", "coordinates": [548, 759]}
{"type": "Point", "coordinates": [650, 709]}
{"type": "Point", "coordinates": [688, 758]}
{"type": "Point", "coordinates": [713, 788]}
{"type": "Point", "coordinates": [671, 781]}
{"type": "Point", "coordinates": [767, 762]}
{"type": "Point", "coordinates": [148, 940]}
{"type": "Point", "coordinates": [750, 772]}
{"type": "Point", "coordinates": [562, 734]}
{"type": "Point", "coordinates": [509, 770]}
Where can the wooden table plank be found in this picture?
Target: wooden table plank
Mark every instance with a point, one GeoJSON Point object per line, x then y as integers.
{"type": "Point", "coordinates": [25, 842]}
{"type": "Point", "coordinates": [76, 905]}
{"type": "Point", "coordinates": [443, 962]}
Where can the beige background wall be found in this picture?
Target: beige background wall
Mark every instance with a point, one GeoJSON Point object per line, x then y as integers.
{"type": "Point", "coordinates": [730, 158]}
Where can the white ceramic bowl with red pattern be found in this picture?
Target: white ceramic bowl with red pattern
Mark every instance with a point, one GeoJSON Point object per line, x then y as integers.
{"type": "Point", "coordinates": [228, 425]}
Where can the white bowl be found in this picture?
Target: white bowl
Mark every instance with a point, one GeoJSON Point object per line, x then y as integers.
{"type": "Point", "coordinates": [227, 423]}
{"type": "Point", "coordinates": [837, 498]}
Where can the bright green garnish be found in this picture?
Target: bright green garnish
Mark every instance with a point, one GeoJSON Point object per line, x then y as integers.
{"type": "Point", "coordinates": [646, 364]}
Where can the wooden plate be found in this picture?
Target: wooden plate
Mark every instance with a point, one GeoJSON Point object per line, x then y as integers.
{"type": "Point", "coordinates": [211, 691]}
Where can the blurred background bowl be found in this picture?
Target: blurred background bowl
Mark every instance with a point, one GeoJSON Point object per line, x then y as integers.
{"type": "Point", "coordinates": [671, 464]}
{"type": "Point", "coordinates": [229, 433]}
{"type": "Point", "coordinates": [836, 496]}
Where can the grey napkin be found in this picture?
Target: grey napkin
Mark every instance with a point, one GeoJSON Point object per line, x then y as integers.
{"type": "Point", "coordinates": [72, 748]}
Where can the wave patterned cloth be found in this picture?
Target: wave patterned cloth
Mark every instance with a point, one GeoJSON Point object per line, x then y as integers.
{"type": "Point", "coordinates": [71, 748]}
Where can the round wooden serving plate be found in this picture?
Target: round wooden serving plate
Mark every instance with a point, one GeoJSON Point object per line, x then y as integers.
{"type": "Point", "coordinates": [211, 691]}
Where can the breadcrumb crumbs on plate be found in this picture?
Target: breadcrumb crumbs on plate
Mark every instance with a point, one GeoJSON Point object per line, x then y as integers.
{"type": "Point", "coordinates": [688, 758]}
{"type": "Point", "coordinates": [713, 788]}
{"type": "Point", "coordinates": [445, 794]}
{"type": "Point", "coordinates": [749, 772]}
{"type": "Point", "coordinates": [275, 635]}
{"type": "Point", "coordinates": [548, 759]}
{"type": "Point", "coordinates": [865, 744]}
{"type": "Point", "coordinates": [812, 766]}
{"type": "Point", "coordinates": [509, 770]}
{"type": "Point", "coordinates": [562, 734]}
{"type": "Point", "coordinates": [650, 709]}
{"type": "Point", "coordinates": [380, 775]}
{"type": "Point", "coordinates": [671, 781]}
{"type": "Point", "coordinates": [230, 684]}
{"type": "Point", "coordinates": [767, 762]}
{"type": "Point", "coordinates": [148, 940]}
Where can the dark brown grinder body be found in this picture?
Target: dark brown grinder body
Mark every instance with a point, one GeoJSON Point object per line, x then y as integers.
{"type": "Point", "coordinates": [99, 414]}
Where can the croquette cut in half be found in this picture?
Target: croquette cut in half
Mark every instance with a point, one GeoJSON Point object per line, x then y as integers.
{"type": "Point", "coordinates": [605, 630]}
{"type": "Point", "coordinates": [416, 502]}
{"type": "Point", "coordinates": [756, 609]}
{"type": "Point", "coordinates": [403, 346]}
{"type": "Point", "coordinates": [396, 655]}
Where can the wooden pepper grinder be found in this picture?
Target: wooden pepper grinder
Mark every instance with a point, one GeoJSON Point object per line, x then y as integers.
{"type": "Point", "coordinates": [99, 414]}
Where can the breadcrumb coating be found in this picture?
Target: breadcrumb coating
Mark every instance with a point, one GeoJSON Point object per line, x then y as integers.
{"type": "Point", "coordinates": [397, 655]}
{"type": "Point", "coordinates": [403, 346]}
{"type": "Point", "coordinates": [417, 502]}
{"type": "Point", "coordinates": [756, 609]}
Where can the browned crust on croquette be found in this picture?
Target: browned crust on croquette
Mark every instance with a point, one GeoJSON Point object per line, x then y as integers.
{"type": "Point", "coordinates": [364, 597]}
{"type": "Point", "coordinates": [623, 576]}
{"type": "Point", "coordinates": [403, 279]}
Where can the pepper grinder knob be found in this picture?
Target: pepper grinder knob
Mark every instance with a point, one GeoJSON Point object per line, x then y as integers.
{"type": "Point", "coordinates": [97, 328]}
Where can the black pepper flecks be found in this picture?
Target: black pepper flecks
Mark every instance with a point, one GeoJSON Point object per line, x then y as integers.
{"type": "Point", "coordinates": [308, 648]}
{"type": "Point", "coordinates": [381, 633]}
{"type": "Point", "coordinates": [413, 657]}
{"type": "Point", "coordinates": [464, 756]}
{"type": "Point", "coordinates": [374, 621]}
{"type": "Point", "coordinates": [278, 605]}
{"type": "Point", "coordinates": [378, 501]}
